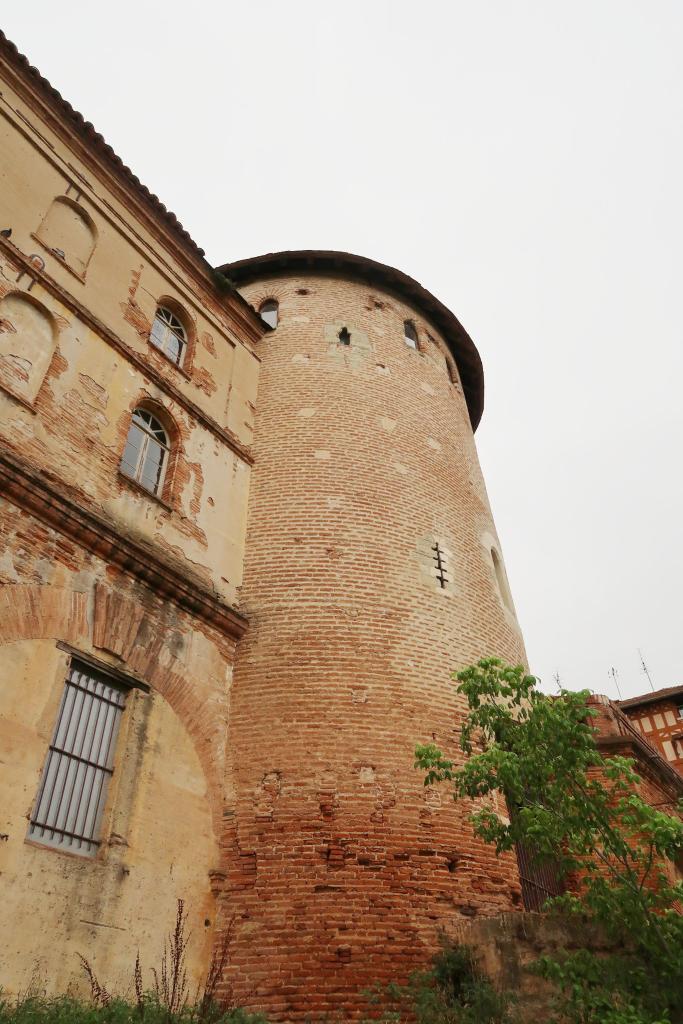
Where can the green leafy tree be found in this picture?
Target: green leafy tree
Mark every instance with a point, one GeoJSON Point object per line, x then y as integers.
{"type": "Point", "coordinates": [583, 811]}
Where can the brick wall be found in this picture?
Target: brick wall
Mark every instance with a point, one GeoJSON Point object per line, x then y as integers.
{"type": "Point", "coordinates": [341, 867]}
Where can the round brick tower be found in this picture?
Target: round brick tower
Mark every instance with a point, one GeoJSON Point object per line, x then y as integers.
{"type": "Point", "coordinates": [373, 570]}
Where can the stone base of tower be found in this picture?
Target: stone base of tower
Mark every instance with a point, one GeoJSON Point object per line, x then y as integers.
{"type": "Point", "coordinates": [318, 916]}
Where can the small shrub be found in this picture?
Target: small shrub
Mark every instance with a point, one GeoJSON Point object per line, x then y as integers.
{"type": "Point", "coordinates": [452, 991]}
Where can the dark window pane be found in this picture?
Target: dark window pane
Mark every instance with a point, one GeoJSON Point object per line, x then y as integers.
{"type": "Point", "coordinates": [410, 334]}
{"type": "Point", "coordinates": [269, 312]}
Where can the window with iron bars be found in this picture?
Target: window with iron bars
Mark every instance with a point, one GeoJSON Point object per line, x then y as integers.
{"type": "Point", "coordinates": [79, 763]}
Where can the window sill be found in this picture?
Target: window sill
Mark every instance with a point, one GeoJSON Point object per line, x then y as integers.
{"type": "Point", "coordinates": [136, 486]}
{"type": "Point", "coordinates": [84, 858]}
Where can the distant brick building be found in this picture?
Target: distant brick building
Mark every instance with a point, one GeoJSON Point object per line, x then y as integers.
{"type": "Point", "coordinates": [617, 734]}
{"type": "Point", "coordinates": [659, 717]}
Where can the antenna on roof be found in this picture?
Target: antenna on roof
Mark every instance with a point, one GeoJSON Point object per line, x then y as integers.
{"type": "Point", "coordinates": [642, 662]}
{"type": "Point", "coordinates": [613, 674]}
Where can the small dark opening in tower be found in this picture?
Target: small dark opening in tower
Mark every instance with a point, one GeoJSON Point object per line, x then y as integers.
{"type": "Point", "coordinates": [440, 562]}
{"type": "Point", "coordinates": [344, 336]}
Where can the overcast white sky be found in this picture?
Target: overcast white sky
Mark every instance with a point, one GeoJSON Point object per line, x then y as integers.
{"type": "Point", "coordinates": [524, 161]}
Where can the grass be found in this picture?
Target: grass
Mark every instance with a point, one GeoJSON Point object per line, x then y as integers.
{"type": "Point", "coordinates": [64, 1010]}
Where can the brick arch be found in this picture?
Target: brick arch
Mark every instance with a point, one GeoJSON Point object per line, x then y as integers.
{"type": "Point", "coordinates": [122, 627]}
{"type": "Point", "coordinates": [34, 612]}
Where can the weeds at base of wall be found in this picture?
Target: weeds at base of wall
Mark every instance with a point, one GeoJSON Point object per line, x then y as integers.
{"type": "Point", "coordinates": [452, 991]}
{"type": "Point", "coordinates": [62, 1010]}
{"type": "Point", "coordinates": [166, 1003]}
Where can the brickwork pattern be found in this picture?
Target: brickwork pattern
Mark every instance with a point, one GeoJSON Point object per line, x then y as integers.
{"type": "Point", "coordinates": [341, 867]}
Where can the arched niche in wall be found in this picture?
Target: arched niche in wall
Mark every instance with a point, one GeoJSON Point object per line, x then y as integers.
{"type": "Point", "coordinates": [69, 232]}
{"type": "Point", "coordinates": [27, 342]}
{"type": "Point", "coordinates": [502, 581]}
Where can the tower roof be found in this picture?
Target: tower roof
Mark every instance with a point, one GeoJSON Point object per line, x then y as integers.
{"type": "Point", "coordinates": [345, 264]}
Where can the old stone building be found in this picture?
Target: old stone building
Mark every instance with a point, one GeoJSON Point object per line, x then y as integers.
{"type": "Point", "coordinates": [127, 390]}
{"type": "Point", "coordinates": [227, 616]}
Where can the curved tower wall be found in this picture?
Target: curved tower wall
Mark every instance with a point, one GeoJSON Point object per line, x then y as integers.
{"type": "Point", "coordinates": [342, 867]}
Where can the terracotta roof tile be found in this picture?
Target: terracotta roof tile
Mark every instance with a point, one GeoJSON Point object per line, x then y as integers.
{"type": "Point", "coordinates": [651, 698]}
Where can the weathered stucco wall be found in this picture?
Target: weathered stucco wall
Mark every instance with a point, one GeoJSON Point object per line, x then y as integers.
{"type": "Point", "coordinates": [505, 947]}
{"type": "Point", "coordinates": [129, 269]}
{"type": "Point", "coordinates": [164, 808]}
{"type": "Point", "coordinates": [56, 904]}
{"type": "Point", "coordinates": [76, 429]}
{"type": "Point", "coordinates": [76, 360]}
{"type": "Point", "coordinates": [93, 566]}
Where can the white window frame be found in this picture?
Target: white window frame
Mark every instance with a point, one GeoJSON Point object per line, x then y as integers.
{"type": "Point", "coordinates": [168, 326]}
{"type": "Point", "coordinates": [149, 437]}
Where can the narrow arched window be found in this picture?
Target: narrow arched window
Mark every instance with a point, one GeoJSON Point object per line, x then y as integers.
{"type": "Point", "coordinates": [146, 453]}
{"type": "Point", "coordinates": [169, 335]}
{"type": "Point", "coordinates": [409, 333]}
{"type": "Point", "coordinates": [269, 312]}
{"type": "Point", "coordinates": [501, 580]}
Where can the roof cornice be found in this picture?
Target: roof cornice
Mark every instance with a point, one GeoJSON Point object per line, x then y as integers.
{"type": "Point", "coordinates": [91, 147]}
{"type": "Point", "coordinates": [668, 693]}
{"type": "Point", "coordinates": [345, 264]}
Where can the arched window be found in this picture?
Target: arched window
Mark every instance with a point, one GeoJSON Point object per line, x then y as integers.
{"type": "Point", "coordinates": [501, 580]}
{"type": "Point", "coordinates": [146, 453]}
{"type": "Point", "coordinates": [409, 333]}
{"type": "Point", "coordinates": [169, 335]}
{"type": "Point", "coordinates": [269, 311]}
{"type": "Point", "coordinates": [69, 232]}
